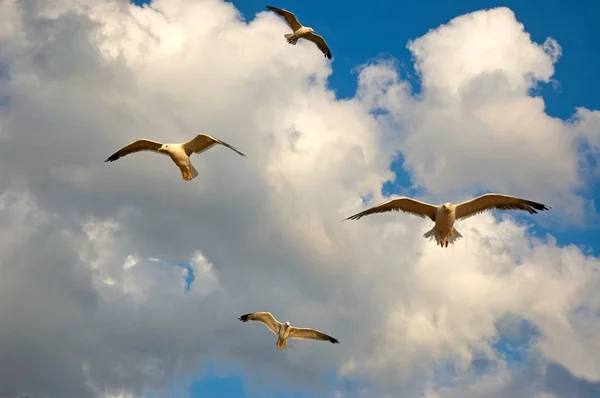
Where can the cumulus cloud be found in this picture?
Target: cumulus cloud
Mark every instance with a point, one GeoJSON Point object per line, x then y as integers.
{"type": "Point", "coordinates": [96, 258]}
{"type": "Point", "coordinates": [474, 126]}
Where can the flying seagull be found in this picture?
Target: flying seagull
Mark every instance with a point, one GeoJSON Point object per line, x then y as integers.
{"type": "Point", "coordinates": [301, 32]}
{"type": "Point", "coordinates": [285, 330]}
{"type": "Point", "coordinates": [179, 153]}
{"type": "Point", "coordinates": [445, 215]}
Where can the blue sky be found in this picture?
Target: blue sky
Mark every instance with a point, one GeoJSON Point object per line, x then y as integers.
{"type": "Point", "coordinates": [386, 26]}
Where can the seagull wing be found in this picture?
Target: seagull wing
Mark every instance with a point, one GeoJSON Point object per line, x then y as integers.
{"type": "Point", "coordinates": [203, 142]}
{"type": "Point", "coordinates": [405, 205]}
{"type": "Point", "coordinates": [320, 42]}
{"type": "Point", "coordinates": [288, 16]}
{"type": "Point", "coordinates": [496, 201]}
{"type": "Point", "coordinates": [136, 146]}
{"type": "Point", "coordinates": [311, 334]}
{"type": "Point", "coordinates": [265, 318]}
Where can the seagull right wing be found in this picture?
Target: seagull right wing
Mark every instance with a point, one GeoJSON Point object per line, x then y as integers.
{"type": "Point", "coordinates": [265, 318]}
{"type": "Point", "coordinates": [405, 205]}
{"type": "Point", "coordinates": [136, 146]}
{"type": "Point", "coordinates": [496, 201]}
{"type": "Point", "coordinates": [288, 16]}
{"type": "Point", "coordinates": [311, 334]}
{"type": "Point", "coordinates": [203, 142]}
{"type": "Point", "coordinates": [320, 42]}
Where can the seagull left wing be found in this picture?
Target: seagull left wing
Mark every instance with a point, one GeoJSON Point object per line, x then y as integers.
{"type": "Point", "coordinates": [496, 201]}
{"type": "Point", "coordinates": [288, 16]}
{"type": "Point", "coordinates": [405, 205]}
{"type": "Point", "coordinates": [202, 142]}
{"type": "Point", "coordinates": [265, 318]}
{"type": "Point", "coordinates": [311, 334]}
{"type": "Point", "coordinates": [320, 42]}
{"type": "Point", "coordinates": [136, 146]}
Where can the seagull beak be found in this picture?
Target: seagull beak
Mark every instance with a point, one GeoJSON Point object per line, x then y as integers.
{"type": "Point", "coordinates": [160, 149]}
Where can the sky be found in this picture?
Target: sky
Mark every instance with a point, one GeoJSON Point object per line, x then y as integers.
{"type": "Point", "coordinates": [121, 280]}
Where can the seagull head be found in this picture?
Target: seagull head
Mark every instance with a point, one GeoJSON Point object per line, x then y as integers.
{"type": "Point", "coordinates": [310, 29]}
{"type": "Point", "coordinates": [163, 148]}
{"type": "Point", "coordinates": [448, 207]}
{"type": "Point", "coordinates": [287, 323]}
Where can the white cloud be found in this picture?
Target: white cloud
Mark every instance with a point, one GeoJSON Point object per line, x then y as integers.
{"type": "Point", "coordinates": [474, 126]}
{"type": "Point", "coordinates": [95, 303]}
{"type": "Point", "coordinates": [485, 42]}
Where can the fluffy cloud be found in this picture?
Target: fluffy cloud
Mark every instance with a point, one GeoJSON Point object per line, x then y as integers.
{"type": "Point", "coordinates": [95, 256]}
{"type": "Point", "coordinates": [474, 126]}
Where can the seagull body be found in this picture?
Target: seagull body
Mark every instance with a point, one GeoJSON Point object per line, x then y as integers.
{"type": "Point", "coordinates": [285, 330]}
{"type": "Point", "coordinates": [301, 32]}
{"type": "Point", "coordinates": [445, 215]}
{"type": "Point", "coordinates": [178, 152]}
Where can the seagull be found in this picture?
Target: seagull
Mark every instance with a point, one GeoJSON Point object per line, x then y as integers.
{"type": "Point", "coordinates": [301, 32]}
{"type": "Point", "coordinates": [179, 153]}
{"type": "Point", "coordinates": [285, 330]}
{"type": "Point", "coordinates": [444, 215]}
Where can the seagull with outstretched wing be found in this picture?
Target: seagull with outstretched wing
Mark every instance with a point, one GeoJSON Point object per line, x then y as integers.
{"type": "Point", "coordinates": [301, 32]}
{"type": "Point", "coordinates": [285, 330]}
{"type": "Point", "coordinates": [445, 215]}
{"type": "Point", "coordinates": [179, 153]}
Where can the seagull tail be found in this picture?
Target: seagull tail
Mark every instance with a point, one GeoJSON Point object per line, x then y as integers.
{"type": "Point", "coordinates": [291, 39]}
{"type": "Point", "coordinates": [454, 236]}
{"type": "Point", "coordinates": [433, 234]}
{"type": "Point", "coordinates": [281, 344]}
{"type": "Point", "coordinates": [193, 171]}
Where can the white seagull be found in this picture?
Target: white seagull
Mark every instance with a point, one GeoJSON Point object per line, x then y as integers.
{"type": "Point", "coordinates": [444, 215]}
{"type": "Point", "coordinates": [301, 32]}
{"type": "Point", "coordinates": [179, 153]}
{"type": "Point", "coordinates": [285, 330]}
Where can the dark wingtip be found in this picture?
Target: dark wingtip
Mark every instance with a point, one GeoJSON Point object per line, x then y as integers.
{"type": "Point", "coordinates": [269, 7]}
{"type": "Point", "coordinates": [334, 341]}
{"type": "Point", "coordinates": [244, 318]}
{"type": "Point", "coordinates": [538, 206]}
